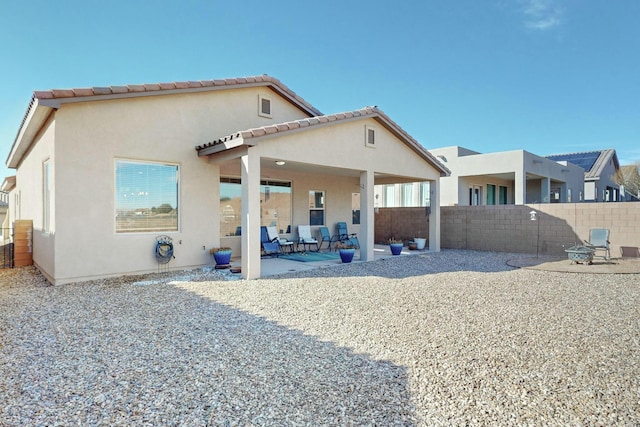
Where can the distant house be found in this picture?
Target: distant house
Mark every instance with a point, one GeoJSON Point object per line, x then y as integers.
{"type": "Point", "coordinates": [506, 177]}
{"type": "Point", "coordinates": [601, 170]}
{"type": "Point", "coordinates": [105, 172]}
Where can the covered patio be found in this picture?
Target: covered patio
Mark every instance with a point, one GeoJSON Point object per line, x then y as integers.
{"type": "Point", "coordinates": [333, 157]}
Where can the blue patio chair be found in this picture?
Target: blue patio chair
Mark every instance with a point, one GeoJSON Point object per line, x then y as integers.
{"type": "Point", "coordinates": [599, 241]}
{"type": "Point", "coordinates": [269, 246]}
{"type": "Point", "coordinates": [325, 236]}
{"type": "Point", "coordinates": [344, 236]}
{"type": "Point", "coordinates": [272, 232]}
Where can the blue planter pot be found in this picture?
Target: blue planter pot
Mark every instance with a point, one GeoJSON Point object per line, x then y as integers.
{"type": "Point", "coordinates": [222, 257]}
{"type": "Point", "coordinates": [346, 255]}
{"type": "Point", "coordinates": [396, 248]}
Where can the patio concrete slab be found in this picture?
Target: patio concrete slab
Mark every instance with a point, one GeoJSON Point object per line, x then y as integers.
{"type": "Point", "coordinates": [275, 266]}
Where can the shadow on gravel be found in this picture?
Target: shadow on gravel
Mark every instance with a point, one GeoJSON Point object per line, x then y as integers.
{"type": "Point", "coordinates": [160, 355]}
{"type": "Point", "coordinates": [403, 266]}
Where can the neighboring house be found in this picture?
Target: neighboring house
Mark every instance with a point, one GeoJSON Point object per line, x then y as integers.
{"type": "Point", "coordinates": [505, 178]}
{"type": "Point", "coordinates": [104, 172]}
{"type": "Point", "coordinates": [4, 215]}
{"type": "Point", "coordinates": [630, 191]}
{"type": "Point", "coordinates": [601, 170]}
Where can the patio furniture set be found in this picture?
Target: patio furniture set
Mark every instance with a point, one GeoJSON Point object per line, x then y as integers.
{"type": "Point", "coordinates": [274, 245]}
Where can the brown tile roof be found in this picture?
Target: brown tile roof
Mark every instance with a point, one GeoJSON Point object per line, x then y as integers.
{"type": "Point", "coordinates": [43, 100]}
{"type": "Point", "coordinates": [287, 126]}
{"type": "Point", "coordinates": [373, 112]}
{"type": "Point", "coordinates": [157, 88]}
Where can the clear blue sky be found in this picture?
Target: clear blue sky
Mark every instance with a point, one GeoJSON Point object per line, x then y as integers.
{"type": "Point", "coordinates": [547, 76]}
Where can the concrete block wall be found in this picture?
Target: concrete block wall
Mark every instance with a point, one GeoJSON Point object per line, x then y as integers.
{"type": "Point", "coordinates": [400, 223]}
{"type": "Point", "coordinates": [558, 226]}
{"type": "Point", "coordinates": [508, 228]}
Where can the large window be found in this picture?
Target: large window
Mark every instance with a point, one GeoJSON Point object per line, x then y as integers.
{"type": "Point", "coordinates": [355, 208]}
{"type": "Point", "coordinates": [275, 205]}
{"type": "Point", "coordinates": [415, 194]}
{"type": "Point", "coordinates": [503, 195]}
{"type": "Point", "coordinates": [146, 196]}
{"type": "Point", "coordinates": [316, 207]}
{"type": "Point", "coordinates": [491, 194]}
{"type": "Point", "coordinates": [46, 196]}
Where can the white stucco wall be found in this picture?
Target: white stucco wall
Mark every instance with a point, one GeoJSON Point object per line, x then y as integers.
{"type": "Point", "coordinates": [29, 190]}
{"type": "Point", "coordinates": [84, 140]}
{"type": "Point", "coordinates": [90, 136]}
{"type": "Point", "coordinates": [518, 170]}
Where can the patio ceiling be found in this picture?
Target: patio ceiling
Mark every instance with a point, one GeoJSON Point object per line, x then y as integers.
{"type": "Point", "coordinates": [267, 165]}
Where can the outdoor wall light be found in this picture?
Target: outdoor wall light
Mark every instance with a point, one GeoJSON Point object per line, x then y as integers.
{"type": "Point", "coordinates": [280, 162]}
{"type": "Point", "coordinates": [533, 215]}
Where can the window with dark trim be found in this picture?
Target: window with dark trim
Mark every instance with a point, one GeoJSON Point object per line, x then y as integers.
{"type": "Point", "coordinates": [316, 207]}
{"type": "Point", "coordinates": [264, 106]}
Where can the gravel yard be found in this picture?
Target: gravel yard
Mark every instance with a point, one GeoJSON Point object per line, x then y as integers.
{"type": "Point", "coordinates": [449, 338]}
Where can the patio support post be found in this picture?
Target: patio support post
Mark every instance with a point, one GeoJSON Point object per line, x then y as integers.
{"type": "Point", "coordinates": [250, 238]}
{"type": "Point", "coordinates": [367, 216]}
{"type": "Point", "coordinates": [434, 216]}
{"type": "Point", "coordinates": [520, 187]}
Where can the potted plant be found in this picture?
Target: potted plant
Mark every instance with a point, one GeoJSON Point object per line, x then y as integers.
{"type": "Point", "coordinates": [346, 252]}
{"type": "Point", "coordinates": [420, 242]}
{"type": "Point", "coordinates": [222, 256]}
{"type": "Point", "coordinates": [395, 246]}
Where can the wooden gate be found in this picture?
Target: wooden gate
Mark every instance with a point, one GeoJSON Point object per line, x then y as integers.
{"type": "Point", "coordinates": [23, 243]}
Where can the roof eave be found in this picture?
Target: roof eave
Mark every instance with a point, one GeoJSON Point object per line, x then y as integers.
{"type": "Point", "coordinates": [412, 143]}
{"type": "Point", "coordinates": [224, 146]}
{"type": "Point", "coordinates": [8, 184]}
{"type": "Point", "coordinates": [259, 134]}
{"type": "Point", "coordinates": [37, 115]}
{"type": "Point", "coordinates": [55, 98]}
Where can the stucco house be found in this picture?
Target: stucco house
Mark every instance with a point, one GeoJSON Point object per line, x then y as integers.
{"type": "Point", "coordinates": [506, 177]}
{"type": "Point", "coordinates": [103, 172]}
{"type": "Point", "coordinates": [601, 170]}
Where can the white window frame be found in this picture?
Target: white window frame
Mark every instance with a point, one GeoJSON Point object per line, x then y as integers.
{"type": "Point", "coordinates": [314, 208]}
{"type": "Point", "coordinates": [261, 112]}
{"type": "Point", "coordinates": [370, 136]}
{"type": "Point", "coordinates": [116, 204]}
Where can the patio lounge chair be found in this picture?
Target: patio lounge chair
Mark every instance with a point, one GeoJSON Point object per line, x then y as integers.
{"type": "Point", "coordinates": [306, 239]}
{"type": "Point", "coordinates": [599, 241]}
{"type": "Point", "coordinates": [325, 236]}
{"type": "Point", "coordinates": [269, 247]}
{"type": "Point", "coordinates": [274, 237]}
{"type": "Point", "coordinates": [344, 236]}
